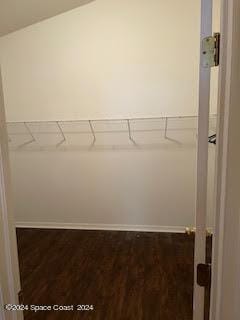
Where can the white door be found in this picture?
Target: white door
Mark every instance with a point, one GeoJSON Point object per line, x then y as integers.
{"type": "Point", "coordinates": [202, 159]}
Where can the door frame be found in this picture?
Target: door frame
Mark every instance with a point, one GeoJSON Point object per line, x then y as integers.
{"type": "Point", "coordinates": [9, 269]}
{"type": "Point", "coordinates": [202, 159]}
{"type": "Point", "coordinates": [226, 247]}
{"type": "Point", "coordinates": [226, 276]}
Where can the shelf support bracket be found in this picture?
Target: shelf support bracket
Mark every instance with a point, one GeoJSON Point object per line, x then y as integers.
{"type": "Point", "coordinates": [30, 133]}
{"type": "Point", "coordinates": [130, 133]}
{"type": "Point", "coordinates": [62, 134]}
{"type": "Point", "coordinates": [93, 133]}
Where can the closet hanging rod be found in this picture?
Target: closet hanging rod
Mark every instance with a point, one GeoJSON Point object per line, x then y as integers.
{"type": "Point", "coordinates": [129, 128]}
{"type": "Point", "coordinates": [110, 119]}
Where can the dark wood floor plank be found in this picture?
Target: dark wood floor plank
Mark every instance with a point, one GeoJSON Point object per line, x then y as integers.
{"type": "Point", "coordinates": [125, 275]}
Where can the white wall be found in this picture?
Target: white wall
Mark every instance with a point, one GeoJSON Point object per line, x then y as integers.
{"type": "Point", "coordinates": [106, 59]}
{"type": "Point", "coordinates": [15, 14]}
{"type": "Point", "coordinates": [141, 187]}
{"type": "Point", "coordinates": [112, 187]}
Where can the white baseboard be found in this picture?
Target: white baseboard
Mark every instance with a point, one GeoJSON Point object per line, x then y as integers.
{"type": "Point", "coordinates": [89, 226]}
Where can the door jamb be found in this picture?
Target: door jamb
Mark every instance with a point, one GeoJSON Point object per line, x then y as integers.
{"type": "Point", "coordinates": [226, 247]}
{"type": "Point", "coordinates": [10, 276]}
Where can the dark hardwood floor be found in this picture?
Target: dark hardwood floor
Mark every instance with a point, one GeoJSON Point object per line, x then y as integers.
{"type": "Point", "coordinates": [124, 275]}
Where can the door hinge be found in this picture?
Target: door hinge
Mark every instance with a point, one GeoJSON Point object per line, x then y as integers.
{"type": "Point", "coordinates": [204, 275]}
{"type": "Point", "coordinates": [211, 51]}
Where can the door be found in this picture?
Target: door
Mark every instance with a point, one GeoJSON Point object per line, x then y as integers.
{"type": "Point", "coordinates": [202, 158]}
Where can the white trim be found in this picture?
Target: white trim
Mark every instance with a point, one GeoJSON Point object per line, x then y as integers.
{"type": "Point", "coordinates": [99, 226]}
{"type": "Point", "coordinates": [226, 255]}
{"type": "Point", "coordinates": [202, 160]}
{"type": "Point", "coordinates": [6, 238]}
{"type": "Point", "coordinates": [221, 162]}
{"type": "Point", "coordinates": [10, 281]}
{"type": "Point", "coordinates": [2, 315]}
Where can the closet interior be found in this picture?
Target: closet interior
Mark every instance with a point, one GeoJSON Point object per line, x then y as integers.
{"type": "Point", "coordinates": [102, 119]}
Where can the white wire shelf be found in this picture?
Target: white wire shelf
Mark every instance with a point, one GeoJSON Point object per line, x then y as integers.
{"type": "Point", "coordinates": [97, 133]}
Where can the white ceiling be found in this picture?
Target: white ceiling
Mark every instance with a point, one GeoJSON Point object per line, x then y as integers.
{"type": "Point", "coordinates": [17, 14]}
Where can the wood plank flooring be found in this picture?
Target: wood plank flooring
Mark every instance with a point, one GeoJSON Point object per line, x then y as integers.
{"type": "Point", "coordinates": [124, 275]}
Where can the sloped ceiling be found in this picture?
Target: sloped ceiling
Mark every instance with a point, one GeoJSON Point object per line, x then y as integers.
{"type": "Point", "coordinates": [17, 14]}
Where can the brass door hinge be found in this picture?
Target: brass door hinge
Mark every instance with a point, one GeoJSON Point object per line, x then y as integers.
{"type": "Point", "coordinates": [204, 271]}
{"type": "Point", "coordinates": [211, 51]}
